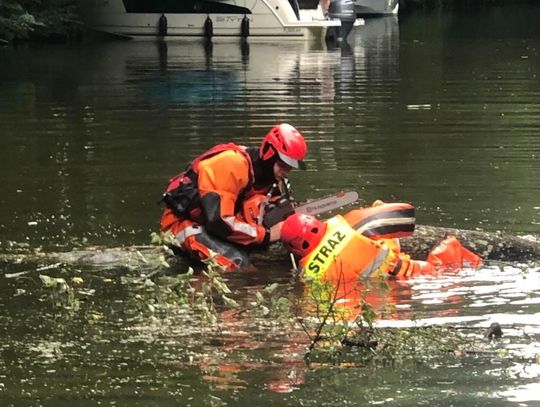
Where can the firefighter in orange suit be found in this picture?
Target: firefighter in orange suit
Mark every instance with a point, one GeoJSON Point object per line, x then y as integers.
{"type": "Point", "coordinates": [204, 204]}
{"type": "Point", "coordinates": [337, 251]}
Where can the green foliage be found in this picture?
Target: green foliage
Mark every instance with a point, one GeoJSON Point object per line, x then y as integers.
{"type": "Point", "coordinates": [15, 21]}
{"type": "Point", "coordinates": [268, 303]}
{"type": "Point", "coordinates": [340, 334]}
{"type": "Point", "coordinates": [271, 305]}
{"type": "Point", "coordinates": [61, 294]}
{"type": "Point", "coordinates": [335, 318]}
{"type": "Point", "coordinates": [213, 288]}
{"type": "Point", "coordinates": [184, 290]}
{"type": "Point", "coordinates": [52, 20]}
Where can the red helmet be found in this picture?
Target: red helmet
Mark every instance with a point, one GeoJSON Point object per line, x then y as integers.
{"type": "Point", "coordinates": [287, 142]}
{"type": "Point", "coordinates": [301, 233]}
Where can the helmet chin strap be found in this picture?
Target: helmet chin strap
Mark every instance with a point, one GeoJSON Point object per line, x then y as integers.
{"type": "Point", "coordinates": [285, 191]}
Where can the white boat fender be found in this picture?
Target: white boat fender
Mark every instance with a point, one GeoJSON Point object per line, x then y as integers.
{"type": "Point", "coordinates": [244, 27]}
{"type": "Point", "coordinates": [162, 25]}
{"type": "Point", "coordinates": [208, 28]}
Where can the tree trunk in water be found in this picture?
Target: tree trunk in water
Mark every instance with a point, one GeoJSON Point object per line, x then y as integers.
{"type": "Point", "coordinates": [488, 245]}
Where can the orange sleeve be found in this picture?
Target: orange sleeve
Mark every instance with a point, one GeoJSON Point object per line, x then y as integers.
{"type": "Point", "coordinates": [222, 178]}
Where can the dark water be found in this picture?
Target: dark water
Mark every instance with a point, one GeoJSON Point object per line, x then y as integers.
{"type": "Point", "coordinates": [441, 110]}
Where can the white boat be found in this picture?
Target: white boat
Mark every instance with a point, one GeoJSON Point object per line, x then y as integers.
{"type": "Point", "coordinates": [367, 8]}
{"type": "Point", "coordinates": [209, 18]}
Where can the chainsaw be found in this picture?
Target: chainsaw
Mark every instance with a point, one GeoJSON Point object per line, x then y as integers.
{"type": "Point", "coordinates": [275, 212]}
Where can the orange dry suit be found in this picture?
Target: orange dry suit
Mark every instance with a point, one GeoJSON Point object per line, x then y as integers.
{"type": "Point", "coordinates": [204, 205]}
{"type": "Point", "coordinates": [344, 256]}
{"type": "Point", "coordinates": [451, 255]}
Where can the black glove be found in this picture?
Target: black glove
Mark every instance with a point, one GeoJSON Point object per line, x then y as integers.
{"type": "Point", "coordinates": [277, 211]}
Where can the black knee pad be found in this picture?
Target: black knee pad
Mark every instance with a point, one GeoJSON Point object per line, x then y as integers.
{"type": "Point", "coordinates": [226, 249]}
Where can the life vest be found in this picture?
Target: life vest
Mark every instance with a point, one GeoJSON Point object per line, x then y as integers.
{"type": "Point", "coordinates": [344, 256]}
{"type": "Point", "coordinates": [383, 221]}
{"type": "Point", "coordinates": [182, 193]}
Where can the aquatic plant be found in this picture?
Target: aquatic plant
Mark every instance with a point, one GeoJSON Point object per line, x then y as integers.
{"type": "Point", "coordinates": [61, 293]}
{"type": "Point", "coordinates": [343, 327]}
{"type": "Point", "coordinates": [337, 316]}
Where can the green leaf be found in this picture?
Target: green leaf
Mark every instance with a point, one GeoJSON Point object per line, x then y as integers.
{"type": "Point", "coordinates": [54, 283]}
{"type": "Point", "coordinates": [283, 304]}
{"type": "Point", "coordinates": [163, 262]}
{"type": "Point", "coordinates": [221, 286]}
{"type": "Point", "coordinates": [271, 288]}
{"type": "Point", "coordinates": [229, 302]}
{"type": "Point", "coordinates": [155, 239]}
{"type": "Point", "coordinates": [46, 280]}
{"type": "Point", "coordinates": [149, 283]}
{"type": "Point", "coordinates": [265, 310]}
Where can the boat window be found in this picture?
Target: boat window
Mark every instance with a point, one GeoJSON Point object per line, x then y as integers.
{"type": "Point", "coordinates": [184, 6]}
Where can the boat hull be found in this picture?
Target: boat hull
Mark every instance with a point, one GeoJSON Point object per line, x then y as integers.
{"type": "Point", "coordinates": [263, 21]}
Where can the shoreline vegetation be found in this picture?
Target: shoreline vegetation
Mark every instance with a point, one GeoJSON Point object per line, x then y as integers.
{"type": "Point", "coordinates": [60, 20]}
{"type": "Point", "coordinates": [40, 21]}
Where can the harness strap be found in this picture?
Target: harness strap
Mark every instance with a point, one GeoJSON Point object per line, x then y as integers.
{"type": "Point", "coordinates": [375, 264]}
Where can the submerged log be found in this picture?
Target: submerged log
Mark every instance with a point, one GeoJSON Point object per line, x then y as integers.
{"type": "Point", "coordinates": [488, 245]}
{"type": "Point", "coordinates": [131, 257]}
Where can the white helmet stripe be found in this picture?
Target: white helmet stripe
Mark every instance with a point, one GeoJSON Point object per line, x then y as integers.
{"type": "Point", "coordinates": [291, 161]}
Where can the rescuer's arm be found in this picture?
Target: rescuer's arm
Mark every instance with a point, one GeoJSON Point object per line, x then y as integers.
{"type": "Point", "coordinates": [221, 180]}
